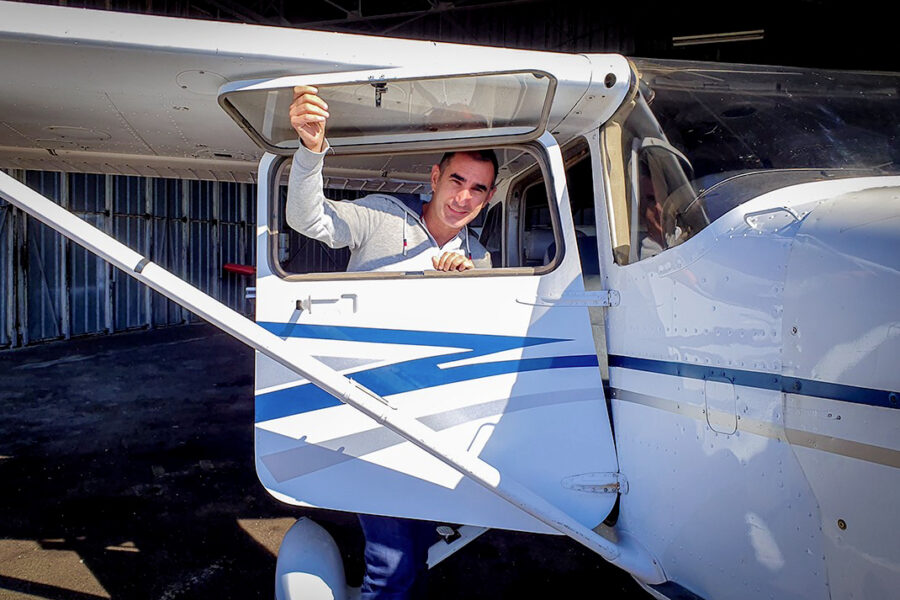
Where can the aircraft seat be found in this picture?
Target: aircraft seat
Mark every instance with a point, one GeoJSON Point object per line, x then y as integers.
{"type": "Point", "coordinates": [587, 249]}
{"type": "Point", "coordinates": [535, 244]}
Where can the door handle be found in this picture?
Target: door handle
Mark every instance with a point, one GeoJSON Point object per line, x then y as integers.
{"type": "Point", "coordinates": [306, 304]}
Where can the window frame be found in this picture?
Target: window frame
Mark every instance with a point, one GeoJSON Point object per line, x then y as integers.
{"type": "Point", "coordinates": [530, 176]}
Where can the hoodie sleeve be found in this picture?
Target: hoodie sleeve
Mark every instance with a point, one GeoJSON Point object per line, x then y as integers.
{"type": "Point", "coordinates": [337, 224]}
{"type": "Point", "coordinates": [480, 256]}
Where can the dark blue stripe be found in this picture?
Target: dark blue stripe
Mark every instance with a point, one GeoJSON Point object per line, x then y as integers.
{"type": "Point", "coordinates": [485, 344]}
{"type": "Point", "coordinates": [766, 381]}
{"type": "Point", "coordinates": [292, 401]}
{"type": "Point", "coordinates": [395, 379]}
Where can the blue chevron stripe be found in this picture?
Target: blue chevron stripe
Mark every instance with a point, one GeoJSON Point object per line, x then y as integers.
{"type": "Point", "coordinates": [412, 374]}
{"type": "Point", "coordinates": [307, 397]}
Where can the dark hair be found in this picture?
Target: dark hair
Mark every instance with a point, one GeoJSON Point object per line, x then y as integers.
{"type": "Point", "coordinates": [480, 155]}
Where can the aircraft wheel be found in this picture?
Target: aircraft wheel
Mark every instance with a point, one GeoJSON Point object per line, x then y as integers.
{"type": "Point", "coordinates": [309, 565]}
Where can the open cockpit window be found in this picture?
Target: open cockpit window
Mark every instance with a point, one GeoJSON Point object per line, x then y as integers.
{"type": "Point", "coordinates": [396, 107]}
{"type": "Point", "coordinates": [519, 229]}
{"type": "Point", "coordinates": [386, 129]}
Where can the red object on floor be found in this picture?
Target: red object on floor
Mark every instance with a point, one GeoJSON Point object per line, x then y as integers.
{"type": "Point", "coordinates": [240, 269]}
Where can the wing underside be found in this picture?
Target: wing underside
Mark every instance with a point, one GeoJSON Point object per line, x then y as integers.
{"type": "Point", "coordinates": [104, 92]}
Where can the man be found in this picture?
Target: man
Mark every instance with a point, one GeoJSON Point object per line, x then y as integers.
{"type": "Point", "coordinates": [386, 234]}
{"type": "Point", "coordinates": [383, 232]}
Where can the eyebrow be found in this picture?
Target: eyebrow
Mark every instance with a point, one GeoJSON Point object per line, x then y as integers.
{"type": "Point", "coordinates": [478, 186]}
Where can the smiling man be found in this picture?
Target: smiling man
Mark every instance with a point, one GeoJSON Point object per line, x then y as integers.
{"type": "Point", "coordinates": [383, 232]}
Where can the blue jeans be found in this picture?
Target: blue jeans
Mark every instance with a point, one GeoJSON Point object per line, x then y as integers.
{"type": "Point", "coordinates": [396, 557]}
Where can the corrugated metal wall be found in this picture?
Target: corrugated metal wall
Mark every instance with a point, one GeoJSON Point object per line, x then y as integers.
{"type": "Point", "coordinates": [52, 288]}
{"type": "Point", "coordinates": [6, 275]}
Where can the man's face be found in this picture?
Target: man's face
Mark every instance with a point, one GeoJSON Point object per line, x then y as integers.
{"type": "Point", "coordinates": [459, 191]}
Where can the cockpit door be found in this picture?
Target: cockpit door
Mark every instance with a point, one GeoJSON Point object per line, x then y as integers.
{"type": "Point", "coordinates": [500, 363]}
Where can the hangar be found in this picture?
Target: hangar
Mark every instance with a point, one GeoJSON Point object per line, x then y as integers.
{"type": "Point", "coordinates": [195, 223]}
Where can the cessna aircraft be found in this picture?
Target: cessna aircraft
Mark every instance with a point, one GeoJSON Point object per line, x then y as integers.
{"type": "Point", "coordinates": [719, 242]}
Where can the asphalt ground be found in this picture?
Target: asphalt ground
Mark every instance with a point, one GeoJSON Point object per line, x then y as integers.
{"type": "Point", "coordinates": [126, 470]}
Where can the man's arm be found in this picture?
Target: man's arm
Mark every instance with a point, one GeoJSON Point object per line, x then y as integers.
{"type": "Point", "coordinates": [481, 258]}
{"type": "Point", "coordinates": [337, 224]}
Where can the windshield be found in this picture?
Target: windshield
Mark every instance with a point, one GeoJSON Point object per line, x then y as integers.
{"type": "Point", "coordinates": [732, 119]}
{"type": "Point", "coordinates": [701, 138]}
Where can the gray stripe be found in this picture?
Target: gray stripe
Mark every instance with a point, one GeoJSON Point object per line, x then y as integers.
{"type": "Point", "coordinates": [867, 452]}
{"type": "Point", "coordinates": [269, 373]}
{"type": "Point", "coordinates": [309, 458]}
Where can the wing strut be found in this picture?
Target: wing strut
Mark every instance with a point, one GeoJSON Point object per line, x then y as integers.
{"type": "Point", "coordinates": [626, 552]}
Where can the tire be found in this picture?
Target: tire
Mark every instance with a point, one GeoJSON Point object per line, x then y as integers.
{"type": "Point", "coordinates": [309, 565]}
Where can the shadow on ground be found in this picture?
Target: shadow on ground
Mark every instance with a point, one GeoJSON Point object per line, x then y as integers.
{"type": "Point", "coordinates": [127, 470]}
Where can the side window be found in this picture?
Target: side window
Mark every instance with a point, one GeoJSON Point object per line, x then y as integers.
{"type": "Point", "coordinates": [539, 239]}
{"type": "Point", "coordinates": [492, 232]}
{"type": "Point", "coordinates": [657, 183]}
{"type": "Point", "coordinates": [653, 200]}
{"type": "Point", "coordinates": [538, 244]}
{"type": "Point", "coordinates": [518, 228]}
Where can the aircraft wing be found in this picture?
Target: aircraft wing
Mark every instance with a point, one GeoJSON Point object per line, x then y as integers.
{"type": "Point", "coordinates": [105, 92]}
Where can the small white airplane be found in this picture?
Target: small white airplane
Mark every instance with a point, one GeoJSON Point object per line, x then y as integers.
{"type": "Point", "coordinates": [721, 241]}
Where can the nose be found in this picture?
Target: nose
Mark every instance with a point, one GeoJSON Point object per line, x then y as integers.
{"type": "Point", "coordinates": [464, 197]}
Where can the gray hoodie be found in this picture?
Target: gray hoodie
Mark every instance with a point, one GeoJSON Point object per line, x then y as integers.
{"type": "Point", "coordinates": [382, 232]}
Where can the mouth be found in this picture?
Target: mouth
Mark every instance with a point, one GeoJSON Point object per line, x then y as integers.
{"type": "Point", "coordinates": [456, 213]}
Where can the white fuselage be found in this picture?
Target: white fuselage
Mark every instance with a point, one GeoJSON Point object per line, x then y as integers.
{"type": "Point", "coordinates": [750, 369]}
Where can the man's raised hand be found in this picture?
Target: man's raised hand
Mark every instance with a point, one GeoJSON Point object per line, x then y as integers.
{"type": "Point", "coordinates": [308, 116]}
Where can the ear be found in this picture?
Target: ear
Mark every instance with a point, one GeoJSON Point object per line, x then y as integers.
{"type": "Point", "coordinates": [435, 176]}
{"type": "Point", "coordinates": [490, 195]}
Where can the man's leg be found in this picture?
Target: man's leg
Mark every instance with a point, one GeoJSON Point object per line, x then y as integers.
{"type": "Point", "coordinates": [396, 557]}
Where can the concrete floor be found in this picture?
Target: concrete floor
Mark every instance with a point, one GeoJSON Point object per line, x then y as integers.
{"type": "Point", "coordinates": [126, 465]}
